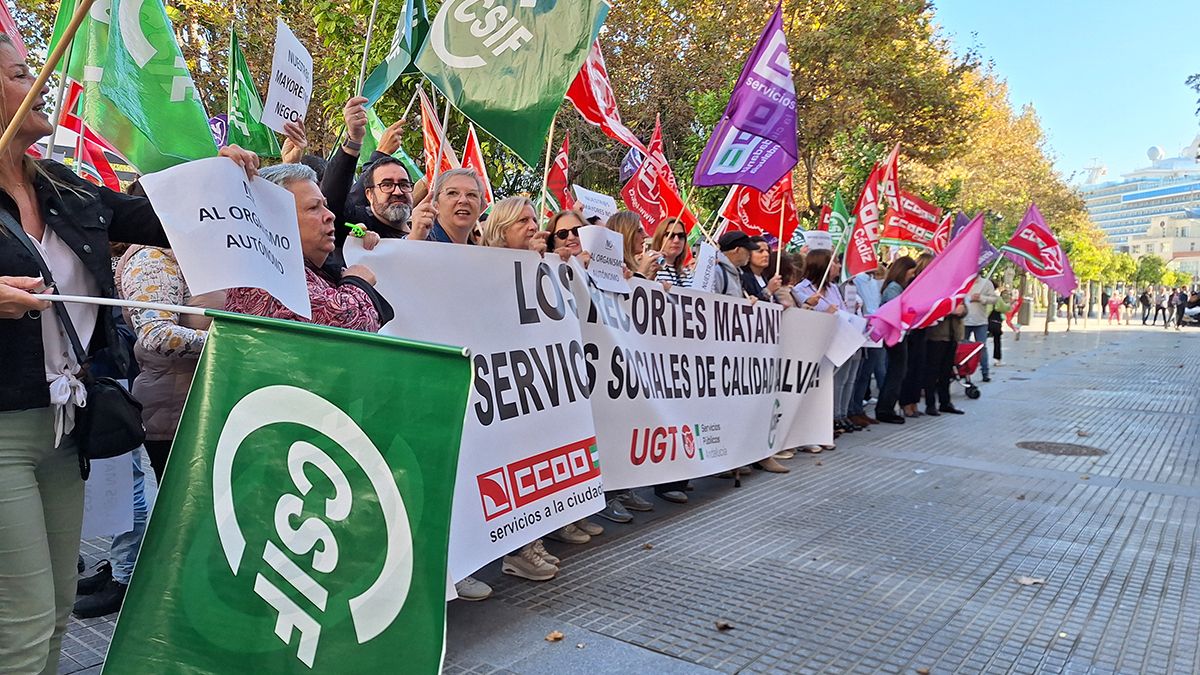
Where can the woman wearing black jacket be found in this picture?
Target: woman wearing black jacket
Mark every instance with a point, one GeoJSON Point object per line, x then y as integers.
{"type": "Point", "coordinates": [69, 223]}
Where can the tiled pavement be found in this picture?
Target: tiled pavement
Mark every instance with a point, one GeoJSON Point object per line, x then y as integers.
{"type": "Point", "coordinates": [902, 549]}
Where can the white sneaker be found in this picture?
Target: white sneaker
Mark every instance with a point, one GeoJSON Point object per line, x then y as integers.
{"type": "Point", "coordinates": [527, 564]}
{"type": "Point", "coordinates": [540, 549]}
{"type": "Point", "coordinates": [591, 528]}
{"type": "Point", "coordinates": [997, 364]}
{"type": "Point", "coordinates": [472, 590]}
{"type": "Point", "coordinates": [570, 535]}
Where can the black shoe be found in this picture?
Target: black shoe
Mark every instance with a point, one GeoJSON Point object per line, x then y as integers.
{"type": "Point", "coordinates": [952, 410]}
{"type": "Point", "coordinates": [889, 418]}
{"type": "Point", "coordinates": [103, 602]}
{"type": "Point", "coordinates": [932, 413]}
{"type": "Point", "coordinates": [987, 378]}
{"type": "Point", "coordinates": [91, 584]}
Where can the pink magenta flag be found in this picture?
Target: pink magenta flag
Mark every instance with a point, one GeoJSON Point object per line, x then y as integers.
{"type": "Point", "coordinates": [935, 291]}
{"type": "Point", "coordinates": [1035, 248]}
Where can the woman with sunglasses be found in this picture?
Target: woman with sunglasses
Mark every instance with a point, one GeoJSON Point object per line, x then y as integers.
{"type": "Point", "coordinates": [670, 237]}
{"type": "Point", "coordinates": [564, 234]}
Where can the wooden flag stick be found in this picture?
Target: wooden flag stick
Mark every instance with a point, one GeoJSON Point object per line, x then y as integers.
{"type": "Point", "coordinates": [546, 171]}
{"type": "Point", "coordinates": [35, 92]}
{"type": "Point", "coordinates": [362, 69]}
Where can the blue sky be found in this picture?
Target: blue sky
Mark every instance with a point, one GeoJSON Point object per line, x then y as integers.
{"type": "Point", "coordinates": [1106, 77]}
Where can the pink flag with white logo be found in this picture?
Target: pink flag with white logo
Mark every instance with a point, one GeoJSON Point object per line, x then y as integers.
{"type": "Point", "coordinates": [935, 292]}
{"type": "Point", "coordinates": [1035, 248]}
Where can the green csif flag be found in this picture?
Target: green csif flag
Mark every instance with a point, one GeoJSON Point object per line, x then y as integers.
{"type": "Point", "coordinates": [375, 129]}
{"type": "Point", "coordinates": [303, 522]}
{"type": "Point", "coordinates": [245, 107]}
{"type": "Point", "coordinates": [411, 29]}
{"type": "Point", "coordinates": [137, 93]}
{"type": "Point", "coordinates": [507, 66]}
{"type": "Point", "coordinates": [839, 222]}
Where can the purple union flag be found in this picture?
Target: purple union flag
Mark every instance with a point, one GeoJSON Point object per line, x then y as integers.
{"type": "Point", "coordinates": [755, 142]}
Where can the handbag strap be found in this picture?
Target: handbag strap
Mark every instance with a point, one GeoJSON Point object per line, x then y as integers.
{"type": "Point", "coordinates": [19, 232]}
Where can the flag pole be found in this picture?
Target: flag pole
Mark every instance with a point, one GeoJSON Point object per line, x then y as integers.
{"type": "Point", "coordinates": [362, 68]}
{"type": "Point", "coordinates": [112, 302]}
{"type": "Point", "coordinates": [59, 95]}
{"type": "Point", "coordinates": [1049, 308]}
{"type": "Point", "coordinates": [832, 255]}
{"type": "Point", "coordinates": [35, 92]}
{"type": "Point", "coordinates": [411, 101]}
{"type": "Point", "coordinates": [442, 143]}
{"type": "Point", "coordinates": [779, 255]}
{"type": "Point", "coordinates": [546, 170]}
{"type": "Point", "coordinates": [996, 264]}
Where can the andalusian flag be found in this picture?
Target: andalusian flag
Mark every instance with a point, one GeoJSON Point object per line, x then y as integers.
{"type": "Point", "coordinates": [245, 107]}
{"type": "Point", "coordinates": [507, 64]}
{"type": "Point", "coordinates": [304, 519]}
{"type": "Point", "coordinates": [138, 93]}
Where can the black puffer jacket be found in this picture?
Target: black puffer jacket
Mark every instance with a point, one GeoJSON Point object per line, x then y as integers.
{"type": "Point", "coordinates": [86, 218]}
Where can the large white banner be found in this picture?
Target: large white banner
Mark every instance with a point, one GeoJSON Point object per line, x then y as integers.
{"type": "Point", "coordinates": [528, 463]}
{"type": "Point", "coordinates": [227, 231]}
{"type": "Point", "coordinates": [691, 384]}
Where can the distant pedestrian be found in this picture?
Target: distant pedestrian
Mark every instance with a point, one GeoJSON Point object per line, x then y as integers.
{"type": "Point", "coordinates": [1129, 303]}
{"type": "Point", "coordinates": [1145, 300]}
{"type": "Point", "coordinates": [1114, 310]}
{"type": "Point", "coordinates": [1181, 303]}
{"type": "Point", "coordinates": [1160, 306]}
{"type": "Point", "coordinates": [980, 299]}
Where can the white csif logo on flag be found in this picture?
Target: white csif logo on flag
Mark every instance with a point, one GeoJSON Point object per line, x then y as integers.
{"type": "Point", "coordinates": [371, 611]}
{"type": "Point", "coordinates": [495, 25]}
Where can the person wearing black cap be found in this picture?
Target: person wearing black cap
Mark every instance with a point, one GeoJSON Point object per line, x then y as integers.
{"type": "Point", "coordinates": [735, 248]}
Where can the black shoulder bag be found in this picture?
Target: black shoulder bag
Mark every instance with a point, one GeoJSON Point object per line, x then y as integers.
{"type": "Point", "coordinates": [110, 422]}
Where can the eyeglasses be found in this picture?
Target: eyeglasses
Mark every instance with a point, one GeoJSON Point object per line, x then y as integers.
{"type": "Point", "coordinates": [387, 187]}
{"type": "Point", "coordinates": [676, 235]}
{"type": "Point", "coordinates": [563, 234]}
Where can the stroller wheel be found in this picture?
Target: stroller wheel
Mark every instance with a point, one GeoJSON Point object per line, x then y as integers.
{"type": "Point", "coordinates": [973, 392]}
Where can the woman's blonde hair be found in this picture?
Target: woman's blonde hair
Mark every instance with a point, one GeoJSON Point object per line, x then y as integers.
{"type": "Point", "coordinates": [504, 214]}
{"type": "Point", "coordinates": [627, 223]}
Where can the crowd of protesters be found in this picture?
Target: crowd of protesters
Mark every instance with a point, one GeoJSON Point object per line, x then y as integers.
{"type": "Point", "coordinates": [68, 225]}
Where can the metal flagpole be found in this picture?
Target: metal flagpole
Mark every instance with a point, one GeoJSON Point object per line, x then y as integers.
{"type": "Point", "coordinates": [362, 69]}
{"type": "Point", "coordinates": [779, 255]}
{"type": "Point", "coordinates": [546, 170]}
{"type": "Point", "coordinates": [58, 98]}
{"type": "Point", "coordinates": [110, 302]}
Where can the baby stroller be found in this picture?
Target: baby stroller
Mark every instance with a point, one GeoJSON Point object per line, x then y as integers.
{"type": "Point", "coordinates": [966, 362]}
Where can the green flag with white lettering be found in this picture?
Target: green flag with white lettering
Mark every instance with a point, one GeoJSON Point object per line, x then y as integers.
{"type": "Point", "coordinates": [507, 65]}
{"type": "Point", "coordinates": [839, 221]}
{"type": "Point", "coordinates": [137, 91]}
{"type": "Point", "coordinates": [304, 517]}
{"type": "Point", "coordinates": [245, 107]}
{"type": "Point", "coordinates": [411, 29]}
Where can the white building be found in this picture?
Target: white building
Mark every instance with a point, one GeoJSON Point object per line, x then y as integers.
{"type": "Point", "coordinates": [1161, 201]}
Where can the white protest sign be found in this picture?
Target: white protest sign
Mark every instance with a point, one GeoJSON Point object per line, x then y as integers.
{"type": "Point", "coordinates": [806, 397]}
{"type": "Point", "coordinates": [228, 232]}
{"type": "Point", "coordinates": [849, 338]}
{"type": "Point", "coordinates": [607, 248]}
{"type": "Point", "coordinates": [689, 384]}
{"type": "Point", "coordinates": [528, 463]}
{"type": "Point", "coordinates": [108, 498]}
{"type": "Point", "coordinates": [705, 276]}
{"type": "Point", "coordinates": [291, 80]}
{"type": "Point", "coordinates": [817, 240]}
{"type": "Point", "coordinates": [595, 203]}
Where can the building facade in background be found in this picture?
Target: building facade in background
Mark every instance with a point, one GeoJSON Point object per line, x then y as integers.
{"type": "Point", "coordinates": [1155, 210]}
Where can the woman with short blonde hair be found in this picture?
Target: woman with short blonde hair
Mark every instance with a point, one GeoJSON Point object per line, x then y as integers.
{"type": "Point", "coordinates": [512, 223]}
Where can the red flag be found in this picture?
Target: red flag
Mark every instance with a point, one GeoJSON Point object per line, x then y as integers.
{"type": "Point", "coordinates": [9, 27]}
{"type": "Point", "coordinates": [95, 167]}
{"type": "Point", "coordinates": [435, 137]}
{"type": "Point", "coordinates": [941, 236]}
{"type": "Point", "coordinates": [757, 213]}
{"type": "Point", "coordinates": [861, 255]}
{"type": "Point", "coordinates": [891, 179]}
{"type": "Point", "coordinates": [826, 214]}
{"type": "Point", "coordinates": [592, 95]}
{"type": "Point", "coordinates": [913, 224]}
{"type": "Point", "coordinates": [1012, 314]}
{"type": "Point", "coordinates": [473, 159]}
{"type": "Point", "coordinates": [558, 187]}
{"type": "Point", "coordinates": [1034, 247]}
{"type": "Point", "coordinates": [651, 192]}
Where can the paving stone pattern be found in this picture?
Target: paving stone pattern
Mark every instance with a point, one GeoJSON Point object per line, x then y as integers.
{"type": "Point", "coordinates": [902, 549]}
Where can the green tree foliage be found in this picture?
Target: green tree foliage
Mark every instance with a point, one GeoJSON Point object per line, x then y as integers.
{"type": "Point", "coordinates": [1150, 270]}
